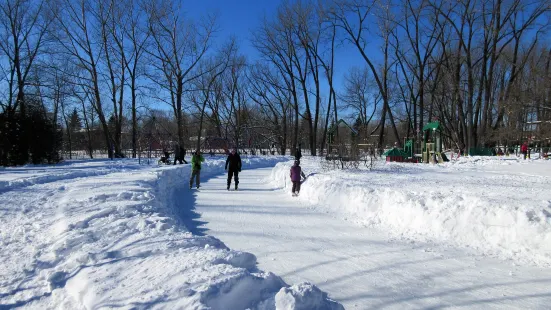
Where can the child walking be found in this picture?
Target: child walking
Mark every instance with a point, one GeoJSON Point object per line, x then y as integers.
{"type": "Point", "coordinates": [296, 174]}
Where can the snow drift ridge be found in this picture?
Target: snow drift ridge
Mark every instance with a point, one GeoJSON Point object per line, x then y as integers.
{"type": "Point", "coordinates": [509, 231]}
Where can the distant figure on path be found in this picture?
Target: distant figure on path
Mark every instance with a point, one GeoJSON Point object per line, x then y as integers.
{"type": "Point", "coordinates": [196, 161]}
{"type": "Point", "coordinates": [298, 153]}
{"type": "Point", "coordinates": [296, 174]}
{"type": "Point", "coordinates": [179, 155]}
{"type": "Point", "coordinates": [524, 149]}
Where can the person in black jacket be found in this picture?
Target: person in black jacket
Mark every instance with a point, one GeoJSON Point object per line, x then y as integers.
{"type": "Point", "coordinates": [179, 155]}
{"type": "Point", "coordinates": [298, 153]}
{"type": "Point", "coordinates": [234, 164]}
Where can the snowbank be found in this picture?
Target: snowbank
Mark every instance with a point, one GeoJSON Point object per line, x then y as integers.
{"type": "Point", "coordinates": [121, 235]}
{"type": "Point", "coordinates": [497, 206]}
{"type": "Point", "coordinates": [18, 177]}
{"type": "Point", "coordinates": [304, 296]}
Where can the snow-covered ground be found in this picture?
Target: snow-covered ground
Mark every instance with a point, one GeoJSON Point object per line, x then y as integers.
{"type": "Point", "coordinates": [496, 205]}
{"type": "Point", "coordinates": [368, 264]}
{"type": "Point", "coordinates": [109, 234]}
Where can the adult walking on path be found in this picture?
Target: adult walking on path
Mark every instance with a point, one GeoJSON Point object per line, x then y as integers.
{"type": "Point", "coordinates": [196, 161]}
{"type": "Point", "coordinates": [234, 164]}
{"type": "Point", "coordinates": [179, 155]}
{"type": "Point", "coordinates": [524, 149]}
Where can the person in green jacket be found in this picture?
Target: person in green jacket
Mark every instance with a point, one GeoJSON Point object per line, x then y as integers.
{"type": "Point", "coordinates": [196, 161]}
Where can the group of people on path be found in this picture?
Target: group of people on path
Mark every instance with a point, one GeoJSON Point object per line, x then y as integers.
{"type": "Point", "coordinates": [233, 167]}
{"type": "Point", "coordinates": [179, 156]}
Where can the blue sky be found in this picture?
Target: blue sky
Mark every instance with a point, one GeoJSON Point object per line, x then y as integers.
{"type": "Point", "coordinates": [235, 17]}
{"type": "Point", "coordinates": [240, 17]}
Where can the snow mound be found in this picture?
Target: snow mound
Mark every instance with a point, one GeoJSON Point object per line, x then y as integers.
{"type": "Point", "coordinates": [242, 291]}
{"type": "Point", "coordinates": [15, 178]}
{"type": "Point", "coordinates": [304, 296]}
{"type": "Point", "coordinates": [118, 234]}
{"type": "Point", "coordinates": [497, 211]}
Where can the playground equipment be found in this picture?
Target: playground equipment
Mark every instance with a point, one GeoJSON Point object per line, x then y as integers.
{"type": "Point", "coordinates": [411, 152]}
{"type": "Point", "coordinates": [344, 149]}
{"type": "Point", "coordinates": [396, 155]}
{"type": "Point", "coordinates": [409, 148]}
{"type": "Point", "coordinates": [432, 144]}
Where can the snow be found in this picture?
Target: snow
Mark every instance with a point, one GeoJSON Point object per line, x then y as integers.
{"type": "Point", "coordinates": [303, 297]}
{"type": "Point", "coordinates": [13, 178]}
{"type": "Point", "coordinates": [105, 234]}
{"type": "Point", "coordinates": [497, 205]}
{"type": "Point", "coordinates": [474, 232]}
{"type": "Point", "coordinates": [364, 266]}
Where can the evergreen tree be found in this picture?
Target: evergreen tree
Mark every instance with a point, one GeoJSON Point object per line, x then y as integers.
{"type": "Point", "coordinates": [75, 123]}
{"type": "Point", "coordinates": [33, 129]}
{"type": "Point", "coordinates": [45, 138]}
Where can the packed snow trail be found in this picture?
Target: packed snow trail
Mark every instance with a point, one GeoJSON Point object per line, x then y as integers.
{"type": "Point", "coordinates": [357, 266]}
{"type": "Point", "coordinates": [113, 234]}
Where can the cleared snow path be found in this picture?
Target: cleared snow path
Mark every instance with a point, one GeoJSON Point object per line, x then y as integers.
{"type": "Point", "coordinates": [359, 267]}
{"type": "Point", "coordinates": [113, 234]}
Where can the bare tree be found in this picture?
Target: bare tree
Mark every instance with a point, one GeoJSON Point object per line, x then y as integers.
{"type": "Point", "coordinates": [352, 17]}
{"type": "Point", "coordinates": [270, 93]}
{"type": "Point", "coordinates": [484, 32]}
{"type": "Point", "coordinates": [203, 86]}
{"type": "Point", "coordinates": [138, 34]}
{"type": "Point", "coordinates": [420, 35]}
{"type": "Point", "coordinates": [111, 18]}
{"type": "Point", "coordinates": [77, 34]}
{"type": "Point", "coordinates": [274, 41]}
{"type": "Point", "coordinates": [235, 93]}
{"type": "Point", "coordinates": [84, 99]}
{"type": "Point", "coordinates": [23, 28]}
{"type": "Point", "coordinates": [306, 26]}
{"type": "Point", "coordinates": [329, 68]}
{"type": "Point", "coordinates": [178, 48]}
{"type": "Point", "coordinates": [358, 97]}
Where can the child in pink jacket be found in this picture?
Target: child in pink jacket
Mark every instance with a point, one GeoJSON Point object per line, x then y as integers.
{"type": "Point", "coordinates": [296, 173]}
